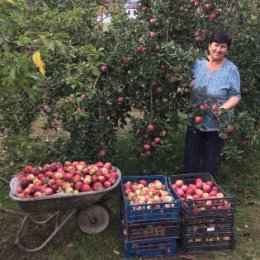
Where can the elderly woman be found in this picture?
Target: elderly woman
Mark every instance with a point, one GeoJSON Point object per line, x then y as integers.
{"type": "Point", "coordinates": [215, 78]}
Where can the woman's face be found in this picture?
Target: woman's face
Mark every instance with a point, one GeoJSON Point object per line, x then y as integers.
{"type": "Point", "coordinates": [217, 51]}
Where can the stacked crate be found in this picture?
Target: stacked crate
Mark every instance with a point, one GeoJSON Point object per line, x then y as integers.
{"type": "Point", "coordinates": [149, 229]}
{"type": "Point", "coordinates": [207, 223]}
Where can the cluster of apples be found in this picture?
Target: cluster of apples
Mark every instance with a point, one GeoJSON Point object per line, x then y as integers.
{"type": "Point", "coordinates": [70, 177]}
{"type": "Point", "coordinates": [142, 192]}
{"type": "Point", "coordinates": [150, 140]}
{"type": "Point", "coordinates": [205, 194]}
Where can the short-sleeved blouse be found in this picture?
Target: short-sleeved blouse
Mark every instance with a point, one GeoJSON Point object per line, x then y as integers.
{"type": "Point", "coordinates": [219, 85]}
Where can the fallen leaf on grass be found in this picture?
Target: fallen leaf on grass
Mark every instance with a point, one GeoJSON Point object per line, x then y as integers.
{"type": "Point", "coordinates": [250, 202]}
{"type": "Point", "coordinates": [188, 257]}
{"type": "Point", "coordinates": [70, 245]}
{"type": "Point", "coordinates": [236, 187]}
{"type": "Point", "coordinates": [116, 252]}
{"type": "Point", "coordinates": [246, 233]}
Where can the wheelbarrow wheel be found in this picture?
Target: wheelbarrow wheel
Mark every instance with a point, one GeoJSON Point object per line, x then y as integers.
{"type": "Point", "coordinates": [93, 219]}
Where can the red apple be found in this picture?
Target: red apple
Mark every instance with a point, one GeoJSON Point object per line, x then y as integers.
{"type": "Point", "coordinates": [184, 188]}
{"type": "Point", "coordinates": [37, 194]}
{"type": "Point", "coordinates": [102, 153]}
{"type": "Point", "coordinates": [153, 20]}
{"type": "Point", "coordinates": [206, 188]}
{"type": "Point", "coordinates": [150, 128]}
{"type": "Point", "coordinates": [97, 186]}
{"type": "Point", "coordinates": [108, 165]}
{"type": "Point", "coordinates": [180, 192]}
{"type": "Point", "coordinates": [208, 6]}
{"type": "Point", "coordinates": [121, 100]}
{"type": "Point", "coordinates": [126, 59]}
{"type": "Point", "coordinates": [48, 191]}
{"type": "Point", "coordinates": [218, 11]}
{"type": "Point", "coordinates": [190, 191]}
{"type": "Point", "coordinates": [104, 68]}
{"type": "Point", "coordinates": [85, 187]}
{"type": "Point", "coordinates": [143, 182]}
{"type": "Point", "coordinates": [28, 169]}
{"type": "Point", "coordinates": [101, 178]}
{"type": "Point", "coordinates": [199, 185]}
{"type": "Point", "coordinates": [198, 119]}
{"type": "Point", "coordinates": [212, 16]}
{"type": "Point", "coordinates": [107, 184]}
{"type": "Point", "coordinates": [220, 195]}
{"type": "Point", "coordinates": [68, 177]}
{"type": "Point", "coordinates": [140, 48]}
{"type": "Point", "coordinates": [197, 4]}
{"type": "Point", "coordinates": [153, 35]}
{"type": "Point", "coordinates": [144, 8]}
{"type": "Point", "coordinates": [78, 185]}
{"type": "Point", "coordinates": [146, 147]}
{"type": "Point", "coordinates": [179, 183]}
{"type": "Point", "coordinates": [199, 192]}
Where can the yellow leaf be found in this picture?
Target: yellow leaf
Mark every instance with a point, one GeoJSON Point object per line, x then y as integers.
{"type": "Point", "coordinates": [163, 133]}
{"type": "Point", "coordinates": [116, 252]}
{"type": "Point", "coordinates": [38, 62]}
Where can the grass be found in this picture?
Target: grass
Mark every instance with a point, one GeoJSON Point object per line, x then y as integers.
{"type": "Point", "coordinates": [237, 178]}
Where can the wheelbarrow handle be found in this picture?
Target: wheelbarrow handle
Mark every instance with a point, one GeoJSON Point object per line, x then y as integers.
{"type": "Point", "coordinates": [56, 230]}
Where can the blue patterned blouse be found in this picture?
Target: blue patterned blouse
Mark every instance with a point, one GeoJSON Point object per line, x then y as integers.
{"type": "Point", "coordinates": [218, 85]}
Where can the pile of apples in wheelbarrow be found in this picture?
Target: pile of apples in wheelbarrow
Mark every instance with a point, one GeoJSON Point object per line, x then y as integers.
{"type": "Point", "coordinates": [70, 177]}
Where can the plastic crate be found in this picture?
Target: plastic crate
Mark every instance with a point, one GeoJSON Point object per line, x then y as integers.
{"type": "Point", "coordinates": [204, 207]}
{"type": "Point", "coordinates": [150, 230]}
{"type": "Point", "coordinates": [150, 248]}
{"type": "Point", "coordinates": [207, 243]}
{"type": "Point", "coordinates": [149, 211]}
{"type": "Point", "coordinates": [208, 225]}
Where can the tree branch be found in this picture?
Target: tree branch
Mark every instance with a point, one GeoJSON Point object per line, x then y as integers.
{"type": "Point", "coordinates": [10, 211]}
{"type": "Point", "coordinates": [4, 180]}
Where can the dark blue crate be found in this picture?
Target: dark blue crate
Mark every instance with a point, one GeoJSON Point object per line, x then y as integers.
{"type": "Point", "coordinates": [149, 230]}
{"type": "Point", "coordinates": [153, 211]}
{"type": "Point", "coordinates": [150, 248]}
{"type": "Point", "coordinates": [199, 243]}
{"type": "Point", "coordinates": [189, 209]}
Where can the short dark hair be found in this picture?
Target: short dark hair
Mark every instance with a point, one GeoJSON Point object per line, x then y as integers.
{"type": "Point", "coordinates": [221, 36]}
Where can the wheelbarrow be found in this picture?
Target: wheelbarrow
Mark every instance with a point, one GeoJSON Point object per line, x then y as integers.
{"type": "Point", "coordinates": [91, 213]}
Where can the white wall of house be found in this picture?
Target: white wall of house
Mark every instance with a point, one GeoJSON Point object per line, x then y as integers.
{"type": "Point", "coordinates": [132, 13]}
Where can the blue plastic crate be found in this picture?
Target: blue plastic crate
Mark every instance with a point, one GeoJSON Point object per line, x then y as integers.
{"type": "Point", "coordinates": [149, 230]}
{"type": "Point", "coordinates": [149, 211]}
{"type": "Point", "coordinates": [188, 207]}
{"type": "Point", "coordinates": [150, 248]}
{"type": "Point", "coordinates": [200, 243]}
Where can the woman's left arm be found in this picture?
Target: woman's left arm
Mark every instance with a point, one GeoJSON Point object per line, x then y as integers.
{"type": "Point", "coordinates": [230, 103]}
{"type": "Point", "coordinates": [234, 94]}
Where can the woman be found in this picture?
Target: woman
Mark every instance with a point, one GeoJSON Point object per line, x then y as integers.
{"type": "Point", "coordinates": [216, 79]}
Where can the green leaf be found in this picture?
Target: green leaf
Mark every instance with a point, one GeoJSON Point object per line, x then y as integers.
{"type": "Point", "coordinates": [50, 45]}
{"type": "Point", "coordinates": [23, 40]}
{"type": "Point", "coordinates": [13, 73]}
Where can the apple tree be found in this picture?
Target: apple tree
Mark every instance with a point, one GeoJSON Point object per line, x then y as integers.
{"type": "Point", "coordinates": [61, 63]}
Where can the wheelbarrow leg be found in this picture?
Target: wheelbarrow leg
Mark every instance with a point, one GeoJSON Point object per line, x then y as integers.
{"type": "Point", "coordinates": [56, 230]}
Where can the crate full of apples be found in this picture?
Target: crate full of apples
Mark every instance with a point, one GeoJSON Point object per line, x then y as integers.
{"type": "Point", "coordinates": [200, 196]}
{"type": "Point", "coordinates": [147, 198]}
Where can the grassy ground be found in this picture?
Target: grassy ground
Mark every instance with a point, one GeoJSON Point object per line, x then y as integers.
{"type": "Point", "coordinates": [237, 178]}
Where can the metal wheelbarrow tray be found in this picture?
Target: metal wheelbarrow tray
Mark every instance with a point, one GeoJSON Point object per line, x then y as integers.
{"type": "Point", "coordinates": [92, 215]}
